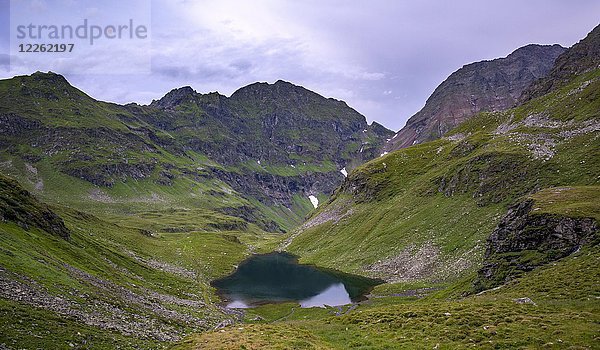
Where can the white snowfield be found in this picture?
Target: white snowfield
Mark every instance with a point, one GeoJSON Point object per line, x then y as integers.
{"type": "Point", "coordinates": [314, 200]}
{"type": "Point", "coordinates": [344, 172]}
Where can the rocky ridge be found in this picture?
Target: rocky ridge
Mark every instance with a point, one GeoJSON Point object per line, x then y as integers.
{"type": "Point", "coordinates": [481, 86]}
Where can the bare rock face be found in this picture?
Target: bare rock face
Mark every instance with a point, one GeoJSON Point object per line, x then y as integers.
{"type": "Point", "coordinates": [482, 86]}
{"type": "Point", "coordinates": [524, 240]}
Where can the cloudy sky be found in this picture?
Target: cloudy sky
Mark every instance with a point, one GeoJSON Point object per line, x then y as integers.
{"type": "Point", "coordinates": [383, 57]}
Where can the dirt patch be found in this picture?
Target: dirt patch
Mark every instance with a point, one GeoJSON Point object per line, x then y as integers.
{"type": "Point", "coordinates": [100, 196]}
{"type": "Point", "coordinates": [413, 263]}
{"type": "Point", "coordinates": [166, 267]}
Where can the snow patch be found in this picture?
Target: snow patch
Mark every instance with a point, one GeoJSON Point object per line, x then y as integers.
{"type": "Point", "coordinates": [258, 161]}
{"type": "Point", "coordinates": [344, 172]}
{"type": "Point", "coordinates": [314, 201]}
{"type": "Point", "coordinates": [383, 154]}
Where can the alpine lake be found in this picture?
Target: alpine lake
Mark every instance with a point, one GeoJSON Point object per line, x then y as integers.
{"type": "Point", "coordinates": [278, 277]}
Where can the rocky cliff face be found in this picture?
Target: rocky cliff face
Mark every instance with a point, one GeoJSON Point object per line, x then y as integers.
{"type": "Point", "coordinates": [582, 57]}
{"type": "Point", "coordinates": [524, 240]}
{"type": "Point", "coordinates": [482, 86]}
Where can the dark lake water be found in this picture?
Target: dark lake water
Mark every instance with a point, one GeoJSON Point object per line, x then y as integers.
{"type": "Point", "coordinates": [278, 277]}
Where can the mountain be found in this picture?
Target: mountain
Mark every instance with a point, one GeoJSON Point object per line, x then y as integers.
{"type": "Point", "coordinates": [278, 123]}
{"type": "Point", "coordinates": [257, 155]}
{"type": "Point", "coordinates": [482, 86]}
{"type": "Point", "coordinates": [582, 57]}
{"type": "Point", "coordinates": [278, 139]}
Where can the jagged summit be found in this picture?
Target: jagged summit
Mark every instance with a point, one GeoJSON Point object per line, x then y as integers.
{"type": "Point", "coordinates": [174, 97]}
{"type": "Point", "coordinates": [279, 88]}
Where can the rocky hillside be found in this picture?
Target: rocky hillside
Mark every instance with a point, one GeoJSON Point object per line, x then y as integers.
{"type": "Point", "coordinates": [258, 155]}
{"type": "Point", "coordinates": [482, 86]}
{"type": "Point", "coordinates": [582, 57]}
{"type": "Point", "coordinates": [278, 123]}
{"type": "Point", "coordinates": [275, 140]}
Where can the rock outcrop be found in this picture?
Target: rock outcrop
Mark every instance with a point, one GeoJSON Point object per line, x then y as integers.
{"type": "Point", "coordinates": [524, 240]}
{"type": "Point", "coordinates": [20, 207]}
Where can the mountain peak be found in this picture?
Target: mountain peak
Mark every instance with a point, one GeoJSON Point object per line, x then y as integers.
{"type": "Point", "coordinates": [281, 93]}
{"type": "Point", "coordinates": [283, 82]}
{"type": "Point", "coordinates": [262, 88]}
{"type": "Point", "coordinates": [481, 86]}
{"type": "Point", "coordinates": [530, 49]}
{"type": "Point", "coordinates": [175, 97]}
{"type": "Point", "coordinates": [49, 76]}
{"type": "Point", "coordinates": [47, 85]}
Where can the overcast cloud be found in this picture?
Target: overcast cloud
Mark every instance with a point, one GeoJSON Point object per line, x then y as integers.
{"type": "Point", "coordinates": [384, 58]}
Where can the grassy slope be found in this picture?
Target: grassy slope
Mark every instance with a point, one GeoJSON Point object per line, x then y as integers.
{"type": "Point", "coordinates": [125, 257]}
{"type": "Point", "coordinates": [450, 194]}
{"type": "Point", "coordinates": [105, 263]}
